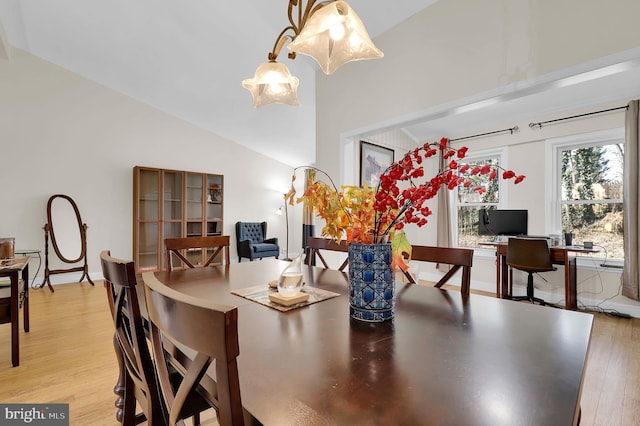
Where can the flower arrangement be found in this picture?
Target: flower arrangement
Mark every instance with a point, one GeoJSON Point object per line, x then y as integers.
{"type": "Point", "coordinates": [372, 215]}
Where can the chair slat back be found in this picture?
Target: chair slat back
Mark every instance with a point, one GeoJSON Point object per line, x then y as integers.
{"type": "Point", "coordinates": [130, 339]}
{"type": "Point", "coordinates": [456, 257]}
{"type": "Point", "coordinates": [208, 329]}
{"type": "Point", "coordinates": [316, 244]}
{"type": "Point", "coordinates": [176, 246]}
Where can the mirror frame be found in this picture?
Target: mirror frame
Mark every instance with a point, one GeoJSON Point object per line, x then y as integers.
{"type": "Point", "coordinates": [48, 231]}
{"type": "Point", "coordinates": [81, 228]}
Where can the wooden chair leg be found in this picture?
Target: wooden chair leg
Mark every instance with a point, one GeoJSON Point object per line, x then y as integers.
{"type": "Point", "coordinates": [118, 389]}
{"type": "Point", "coordinates": [129, 403]}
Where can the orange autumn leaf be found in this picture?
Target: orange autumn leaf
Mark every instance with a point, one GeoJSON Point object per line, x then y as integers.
{"type": "Point", "coordinates": [399, 245]}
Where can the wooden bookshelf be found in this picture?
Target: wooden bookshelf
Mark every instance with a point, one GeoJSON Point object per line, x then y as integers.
{"type": "Point", "coordinates": [170, 204]}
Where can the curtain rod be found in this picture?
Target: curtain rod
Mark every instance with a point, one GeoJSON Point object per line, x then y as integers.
{"type": "Point", "coordinates": [512, 130]}
{"type": "Point", "coordinates": [539, 125]}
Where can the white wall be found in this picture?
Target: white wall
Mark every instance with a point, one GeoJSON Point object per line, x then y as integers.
{"type": "Point", "coordinates": [461, 49]}
{"type": "Point", "coordinates": [60, 133]}
{"type": "Point", "coordinates": [456, 49]}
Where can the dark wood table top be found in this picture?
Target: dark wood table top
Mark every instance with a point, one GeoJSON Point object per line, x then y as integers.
{"type": "Point", "coordinates": [14, 297]}
{"type": "Point", "coordinates": [18, 263]}
{"type": "Point", "coordinates": [438, 362]}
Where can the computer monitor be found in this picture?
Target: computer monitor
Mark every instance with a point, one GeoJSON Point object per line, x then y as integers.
{"type": "Point", "coordinates": [502, 222]}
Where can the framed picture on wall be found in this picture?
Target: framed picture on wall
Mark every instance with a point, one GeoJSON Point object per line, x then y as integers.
{"type": "Point", "coordinates": [374, 160]}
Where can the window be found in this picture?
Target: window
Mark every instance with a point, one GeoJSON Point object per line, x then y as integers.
{"type": "Point", "coordinates": [468, 202]}
{"type": "Point", "coordinates": [586, 187]}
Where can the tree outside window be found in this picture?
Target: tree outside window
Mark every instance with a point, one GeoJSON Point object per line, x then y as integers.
{"type": "Point", "coordinates": [591, 194]}
{"type": "Point", "coordinates": [469, 202]}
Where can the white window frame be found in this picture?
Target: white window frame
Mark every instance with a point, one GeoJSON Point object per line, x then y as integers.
{"type": "Point", "coordinates": [553, 194]}
{"type": "Point", "coordinates": [501, 154]}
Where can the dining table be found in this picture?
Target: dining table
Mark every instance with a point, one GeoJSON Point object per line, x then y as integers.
{"type": "Point", "coordinates": [442, 359]}
{"type": "Point", "coordinates": [14, 297]}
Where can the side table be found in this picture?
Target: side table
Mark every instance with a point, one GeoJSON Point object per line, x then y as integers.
{"type": "Point", "coordinates": [33, 253]}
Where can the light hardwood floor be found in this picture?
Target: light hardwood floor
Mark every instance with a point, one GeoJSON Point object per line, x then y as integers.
{"type": "Point", "coordinates": [68, 358]}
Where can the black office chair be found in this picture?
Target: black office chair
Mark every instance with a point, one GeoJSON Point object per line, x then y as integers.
{"type": "Point", "coordinates": [532, 256]}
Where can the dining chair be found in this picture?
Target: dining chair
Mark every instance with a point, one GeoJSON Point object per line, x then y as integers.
{"type": "Point", "coordinates": [138, 371]}
{"type": "Point", "coordinates": [138, 377]}
{"type": "Point", "coordinates": [531, 255]}
{"type": "Point", "coordinates": [213, 245]}
{"type": "Point", "coordinates": [316, 244]}
{"type": "Point", "coordinates": [457, 258]}
{"type": "Point", "coordinates": [207, 329]}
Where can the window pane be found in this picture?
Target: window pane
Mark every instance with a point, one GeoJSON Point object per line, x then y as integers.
{"type": "Point", "coordinates": [592, 173]}
{"type": "Point", "coordinates": [600, 223]}
{"type": "Point", "coordinates": [468, 226]}
{"type": "Point", "coordinates": [468, 195]}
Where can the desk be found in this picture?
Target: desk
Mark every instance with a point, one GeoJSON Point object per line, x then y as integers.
{"type": "Point", "coordinates": [11, 299]}
{"type": "Point", "coordinates": [560, 255]}
{"type": "Point", "coordinates": [439, 361]}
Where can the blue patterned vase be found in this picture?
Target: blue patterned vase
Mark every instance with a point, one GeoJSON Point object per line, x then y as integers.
{"type": "Point", "coordinates": [371, 282]}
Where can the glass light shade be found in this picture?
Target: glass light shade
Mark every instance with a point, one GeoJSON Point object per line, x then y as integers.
{"type": "Point", "coordinates": [272, 84]}
{"type": "Point", "coordinates": [333, 36]}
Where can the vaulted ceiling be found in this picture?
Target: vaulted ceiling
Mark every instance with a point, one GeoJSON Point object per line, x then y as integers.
{"type": "Point", "coordinates": [188, 58]}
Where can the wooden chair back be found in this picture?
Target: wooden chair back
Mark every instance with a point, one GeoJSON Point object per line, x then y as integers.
{"type": "Point", "coordinates": [209, 330]}
{"type": "Point", "coordinates": [455, 257]}
{"type": "Point", "coordinates": [176, 246]}
{"type": "Point", "coordinates": [139, 371]}
{"type": "Point", "coordinates": [316, 244]}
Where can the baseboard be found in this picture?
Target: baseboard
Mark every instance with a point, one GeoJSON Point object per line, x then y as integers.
{"type": "Point", "coordinates": [67, 278]}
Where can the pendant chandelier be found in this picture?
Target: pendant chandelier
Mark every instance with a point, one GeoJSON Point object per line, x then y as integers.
{"type": "Point", "coordinates": [329, 31]}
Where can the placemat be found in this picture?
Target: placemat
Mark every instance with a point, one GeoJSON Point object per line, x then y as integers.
{"type": "Point", "coordinates": [260, 294]}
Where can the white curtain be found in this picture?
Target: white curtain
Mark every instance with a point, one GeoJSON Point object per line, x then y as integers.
{"type": "Point", "coordinates": [443, 237]}
{"type": "Point", "coordinates": [444, 214]}
{"type": "Point", "coordinates": [631, 206]}
{"type": "Point", "coordinates": [308, 225]}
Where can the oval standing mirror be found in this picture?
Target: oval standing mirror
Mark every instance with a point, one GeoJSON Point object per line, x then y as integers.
{"type": "Point", "coordinates": [68, 237]}
{"type": "Point", "coordinates": [65, 227]}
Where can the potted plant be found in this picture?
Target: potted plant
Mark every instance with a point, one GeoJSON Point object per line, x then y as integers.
{"type": "Point", "coordinates": [365, 215]}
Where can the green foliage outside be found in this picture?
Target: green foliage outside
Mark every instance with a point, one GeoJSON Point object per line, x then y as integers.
{"type": "Point", "coordinates": [591, 186]}
{"type": "Point", "coordinates": [468, 215]}
{"type": "Point", "coordinates": [590, 178]}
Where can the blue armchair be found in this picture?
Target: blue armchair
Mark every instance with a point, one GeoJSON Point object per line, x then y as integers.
{"type": "Point", "coordinates": [252, 242]}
